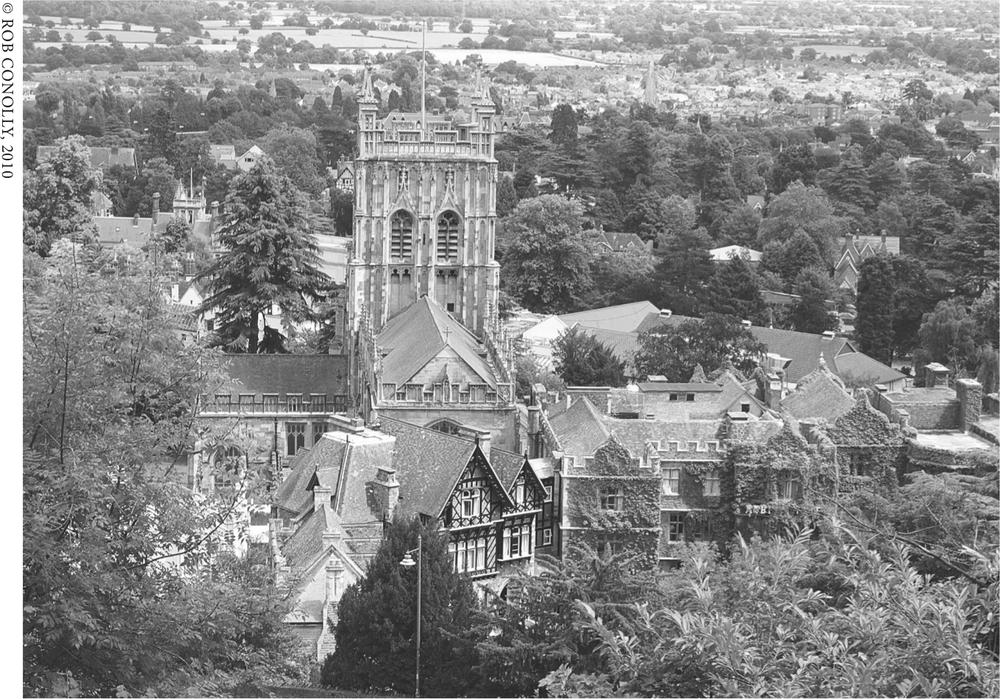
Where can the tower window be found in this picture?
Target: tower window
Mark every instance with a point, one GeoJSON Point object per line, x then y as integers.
{"type": "Point", "coordinates": [447, 236]}
{"type": "Point", "coordinates": [401, 240]}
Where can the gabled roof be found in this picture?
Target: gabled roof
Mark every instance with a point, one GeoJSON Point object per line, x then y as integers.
{"type": "Point", "coordinates": [418, 334]}
{"type": "Point", "coordinates": [307, 542]}
{"type": "Point", "coordinates": [818, 395]}
{"type": "Point", "coordinates": [580, 428]}
{"type": "Point", "coordinates": [623, 318]}
{"type": "Point", "coordinates": [288, 373]}
{"type": "Point", "coordinates": [135, 232]}
{"type": "Point", "coordinates": [857, 365]}
{"type": "Point", "coordinates": [730, 252]}
{"type": "Point", "coordinates": [428, 465]}
{"type": "Point", "coordinates": [621, 241]}
{"type": "Point", "coordinates": [635, 434]}
{"type": "Point", "coordinates": [295, 493]}
{"type": "Point", "coordinates": [507, 465]}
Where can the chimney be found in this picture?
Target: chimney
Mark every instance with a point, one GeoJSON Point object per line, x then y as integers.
{"type": "Point", "coordinates": [829, 334]}
{"type": "Point", "coordinates": [534, 419]}
{"type": "Point", "coordinates": [156, 206]}
{"type": "Point", "coordinates": [215, 209]}
{"type": "Point", "coordinates": [935, 375]}
{"type": "Point", "coordinates": [321, 497]}
{"type": "Point", "coordinates": [483, 439]}
{"type": "Point", "coordinates": [175, 292]}
{"type": "Point", "coordinates": [970, 400]}
{"type": "Point", "coordinates": [385, 489]}
{"type": "Point", "coordinates": [746, 323]}
{"type": "Point", "coordinates": [665, 313]}
{"type": "Point", "coordinates": [135, 222]}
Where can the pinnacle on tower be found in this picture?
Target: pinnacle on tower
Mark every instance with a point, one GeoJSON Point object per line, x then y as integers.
{"type": "Point", "coordinates": [367, 91]}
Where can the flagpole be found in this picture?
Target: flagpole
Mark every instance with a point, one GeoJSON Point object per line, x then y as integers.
{"type": "Point", "coordinates": [423, 77]}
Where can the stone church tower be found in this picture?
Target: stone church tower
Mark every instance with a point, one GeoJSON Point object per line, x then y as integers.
{"type": "Point", "coordinates": [424, 214]}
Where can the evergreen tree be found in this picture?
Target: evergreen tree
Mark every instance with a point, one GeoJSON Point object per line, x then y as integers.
{"type": "Point", "coordinates": [506, 197]}
{"type": "Point", "coordinates": [269, 257]}
{"type": "Point", "coordinates": [376, 630]}
{"type": "Point", "coordinates": [582, 360]}
{"type": "Point", "coordinates": [873, 326]}
{"type": "Point", "coordinates": [564, 126]}
{"type": "Point", "coordinates": [683, 271]}
{"type": "Point", "coordinates": [735, 291]}
{"type": "Point", "coordinates": [810, 314]}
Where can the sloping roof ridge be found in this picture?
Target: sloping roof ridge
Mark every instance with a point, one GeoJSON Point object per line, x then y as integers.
{"type": "Point", "coordinates": [598, 417]}
{"type": "Point", "coordinates": [424, 428]}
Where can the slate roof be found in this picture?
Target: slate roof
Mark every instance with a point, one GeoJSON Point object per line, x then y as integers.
{"type": "Point", "coordinates": [507, 465]}
{"type": "Point", "coordinates": [418, 334]}
{"type": "Point", "coordinates": [580, 428]}
{"type": "Point", "coordinates": [818, 395]}
{"type": "Point", "coordinates": [860, 366]}
{"type": "Point", "coordinates": [623, 318]}
{"type": "Point", "coordinates": [288, 373]}
{"type": "Point", "coordinates": [293, 494]}
{"type": "Point", "coordinates": [428, 464]}
{"type": "Point", "coordinates": [136, 232]}
{"type": "Point", "coordinates": [306, 543]}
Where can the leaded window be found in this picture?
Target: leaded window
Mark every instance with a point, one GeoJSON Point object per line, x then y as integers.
{"type": "Point", "coordinates": [675, 527]}
{"type": "Point", "coordinates": [612, 499]}
{"type": "Point", "coordinates": [711, 483]}
{"type": "Point", "coordinates": [295, 433]}
{"type": "Point", "coordinates": [671, 481]}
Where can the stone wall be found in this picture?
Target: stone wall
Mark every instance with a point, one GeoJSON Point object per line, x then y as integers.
{"type": "Point", "coordinates": [945, 415]}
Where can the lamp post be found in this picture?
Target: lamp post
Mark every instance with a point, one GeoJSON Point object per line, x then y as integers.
{"type": "Point", "coordinates": [408, 562]}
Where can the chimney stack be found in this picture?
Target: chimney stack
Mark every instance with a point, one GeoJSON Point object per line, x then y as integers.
{"type": "Point", "coordinates": [156, 206]}
{"type": "Point", "coordinates": [935, 375]}
{"type": "Point", "coordinates": [215, 208]}
{"type": "Point", "coordinates": [970, 400]}
{"type": "Point", "coordinates": [321, 497]}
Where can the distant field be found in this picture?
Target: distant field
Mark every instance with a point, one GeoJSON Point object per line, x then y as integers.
{"type": "Point", "coordinates": [838, 50]}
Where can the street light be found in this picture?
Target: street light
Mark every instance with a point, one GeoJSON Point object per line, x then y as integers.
{"type": "Point", "coordinates": [408, 562]}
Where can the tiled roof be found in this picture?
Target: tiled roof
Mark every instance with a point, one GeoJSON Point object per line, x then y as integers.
{"type": "Point", "coordinates": [623, 318]}
{"type": "Point", "coordinates": [418, 334]}
{"type": "Point", "coordinates": [326, 455]}
{"type": "Point", "coordinates": [306, 543]}
{"type": "Point", "coordinates": [428, 464]}
{"type": "Point", "coordinates": [580, 428]}
{"type": "Point", "coordinates": [818, 395]}
{"type": "Point", "coordinates": [507, 465]}
{"type": "Point", "coordinates": [112, 230]}
{"type": "Point", "coordinates": [288, 373]}
{"type": "Point", "coordinates": [622, 344]}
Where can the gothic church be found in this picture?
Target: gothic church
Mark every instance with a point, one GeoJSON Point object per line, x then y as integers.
{"type": "Point", "coordinates": [425, 341]}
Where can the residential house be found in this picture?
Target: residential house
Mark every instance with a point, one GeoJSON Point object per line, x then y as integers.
{"type": "Point", "coordinates": [728, 252]}
{"type": "Point", "coordinates": [246, 161]}
{"type": "Point", "coordinates": [854, 250]}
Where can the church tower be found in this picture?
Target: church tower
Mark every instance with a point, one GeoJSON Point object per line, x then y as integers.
{"type": "Point", "coordinates": [424, 214]}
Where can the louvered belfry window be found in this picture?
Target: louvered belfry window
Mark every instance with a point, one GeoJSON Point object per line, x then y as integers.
{"type": "Point", "coordinates": [447, 236]}
{"type": "Point", "coordinates": [401, 240]}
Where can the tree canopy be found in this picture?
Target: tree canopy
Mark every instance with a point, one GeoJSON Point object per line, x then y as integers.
{"type": "Point", "coordinates": [714, 342]}
{"type": "Point", "coordinates": [269, 258]}
{"type": "Point", "coordinates": [582, 360]}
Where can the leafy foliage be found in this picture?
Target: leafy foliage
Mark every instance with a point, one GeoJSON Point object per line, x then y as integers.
{"type": "Point", "coordinates": [713, 342]}
{"type": "Point", "coordinates": [121, 587]}
{"type": "Point", "coordinates": [582, 360]}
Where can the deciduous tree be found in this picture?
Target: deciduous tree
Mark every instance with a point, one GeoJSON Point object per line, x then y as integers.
{"type": "Point", "coordinates": [582, 360]}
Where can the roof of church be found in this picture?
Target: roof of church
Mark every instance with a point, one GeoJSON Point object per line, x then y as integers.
{"type": "Point", "coordinates": [418, 334]}
{"type": "Point", "coordinates": [288, 373]}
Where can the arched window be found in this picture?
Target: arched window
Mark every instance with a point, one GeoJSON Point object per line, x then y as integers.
{"type": "Point", "coordinates": [401, 240]}
{"type": "Point", "coordinates": [447, 236]}
{"type": "Point", "coordinates": [446, 426]}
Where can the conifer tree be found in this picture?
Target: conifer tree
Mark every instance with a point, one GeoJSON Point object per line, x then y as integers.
{"type": "Point", "coordinates": [270, 257]}
{"type": "Point", "coordinates": [376, 631]}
